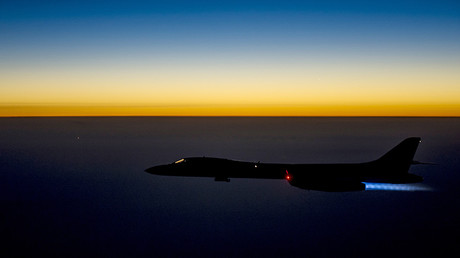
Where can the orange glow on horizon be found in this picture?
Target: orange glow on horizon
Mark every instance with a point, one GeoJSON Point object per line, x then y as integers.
{"type": "Point", "coordinates": [252, 88]}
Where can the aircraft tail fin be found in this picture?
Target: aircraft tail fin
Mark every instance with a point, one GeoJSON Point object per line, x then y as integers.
{"type": "Point", "coordinates": [400, 157]}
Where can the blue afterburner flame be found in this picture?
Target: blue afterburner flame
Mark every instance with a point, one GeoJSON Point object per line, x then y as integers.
{"type": "Point", "coordinates": [397, 187]}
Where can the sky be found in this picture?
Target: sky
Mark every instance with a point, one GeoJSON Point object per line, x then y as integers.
{"type": "Point", "coordinates": [230, 58]}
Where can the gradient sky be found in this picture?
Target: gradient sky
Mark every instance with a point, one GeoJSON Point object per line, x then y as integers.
{"type": "Point", "coordinates": [270, 58]}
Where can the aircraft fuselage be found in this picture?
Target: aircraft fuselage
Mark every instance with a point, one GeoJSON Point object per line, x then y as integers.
{"type": "Point", "coordinates": [391, 168]}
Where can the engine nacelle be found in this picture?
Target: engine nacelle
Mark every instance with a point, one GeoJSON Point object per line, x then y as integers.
{"type": "Point", "coordinates": [329, 186]}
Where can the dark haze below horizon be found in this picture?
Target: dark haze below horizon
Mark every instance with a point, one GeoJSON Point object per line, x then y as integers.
{"type": "Point", "coordinates": [76, 186]}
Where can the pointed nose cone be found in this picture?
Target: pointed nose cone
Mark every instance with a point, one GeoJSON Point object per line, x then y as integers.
{"type": "Point", "coordinates": [150, 170]}
{"type": "Point", "coordinates": [158, 170]}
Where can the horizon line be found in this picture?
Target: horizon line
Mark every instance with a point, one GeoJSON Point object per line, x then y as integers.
{"type": "Point", "coordinates": [312, 110]}
{"type": "Point", "coordinates": [229, 116]}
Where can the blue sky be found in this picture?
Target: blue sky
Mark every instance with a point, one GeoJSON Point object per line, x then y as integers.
{"type": "Point", "coordinates": [113, 8]}
{"type": "Point", "coordinates": [92, 27]}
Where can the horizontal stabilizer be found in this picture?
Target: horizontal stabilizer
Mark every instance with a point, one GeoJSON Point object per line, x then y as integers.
{"type": "Point", "coordinates": [423, 163]}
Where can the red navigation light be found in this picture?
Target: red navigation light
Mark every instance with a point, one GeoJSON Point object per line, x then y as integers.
{"type": "Point", "coordinates": [288, 177]}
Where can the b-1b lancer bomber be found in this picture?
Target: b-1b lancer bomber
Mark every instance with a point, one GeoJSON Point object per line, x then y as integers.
{"type": "Point", "coordinates": [392, 167]}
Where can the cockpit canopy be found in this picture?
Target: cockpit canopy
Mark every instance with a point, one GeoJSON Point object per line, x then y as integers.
{"type": "Point", "coordinates": [203, 161]}
{"type": "Point", "coordinates": [179, 161]}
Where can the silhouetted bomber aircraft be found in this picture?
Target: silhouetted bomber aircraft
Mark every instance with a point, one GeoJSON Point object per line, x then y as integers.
{"type": "Point", "coordinates": [393, 167]}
